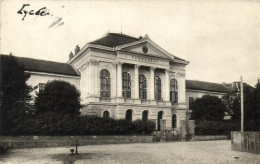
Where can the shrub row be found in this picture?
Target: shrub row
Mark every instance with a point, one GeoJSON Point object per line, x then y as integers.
{"type": "Point", "coordinates": [50, 123]}
{"type": "Point", "coordinates": [216, 127]}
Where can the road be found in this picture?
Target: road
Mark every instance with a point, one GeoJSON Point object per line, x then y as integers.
{"type": "Point", "coordinates": [149, 153]}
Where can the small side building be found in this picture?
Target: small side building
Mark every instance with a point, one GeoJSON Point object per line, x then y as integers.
{"type": "Point", "coordinates": [197, 89]}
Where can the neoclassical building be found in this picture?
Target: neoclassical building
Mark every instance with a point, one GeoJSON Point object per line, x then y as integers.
{"type": "Point", "coordinates": [124, 77]}
{"type": "Point", "coordinates": [120, 76]}
{"type": "Point", "coordinates": [132, 78]}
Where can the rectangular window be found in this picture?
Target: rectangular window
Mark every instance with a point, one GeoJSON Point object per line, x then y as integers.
{"type": "Point", "coordinates": [41, 87]}
{"type": "Point", "coordinates": [191, 101]}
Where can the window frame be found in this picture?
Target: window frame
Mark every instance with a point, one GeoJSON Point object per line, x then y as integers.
{"type": "Point", "coordinates": [129, 117]}
{"type": "Point", "coordinates": [191, 101]}
{"type": "Point", "coordinates": [174, 90]}
{"type": "Point", "coordinates": [105, 84]}
{"type": "Point", "coordinates": [126, 85]}
{"type": "Point", "coordinates": [174, 121]}
{"type": "Point", "coordinates": [41, 87]}
{"type": "Point", "coordinates": [145, 114]}
{"type": "Point", "coordinates": [157, 88]}
{"type": "Point", "coordinates": [142, 87]}
{"type": "Point", "coordinates": [106, 114]}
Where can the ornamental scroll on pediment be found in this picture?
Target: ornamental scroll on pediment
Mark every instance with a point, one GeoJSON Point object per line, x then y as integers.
{"type": "Point", "coordinates": [85, 65]}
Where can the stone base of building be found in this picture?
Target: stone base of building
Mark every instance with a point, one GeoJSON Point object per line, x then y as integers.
{"type": "Point", "coordinates": [154, 113]}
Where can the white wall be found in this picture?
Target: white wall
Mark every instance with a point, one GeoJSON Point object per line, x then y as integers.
{"type": "Point", "coordinates": [37, 77]}
{"type": "Point", "coordinates": [198, 94]}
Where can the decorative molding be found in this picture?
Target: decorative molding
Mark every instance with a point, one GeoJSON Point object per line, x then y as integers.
{"type": "Point", "coordinates": [83, 66]}
{"type": "Point", "coordinates": [177, 74]}
{"type": "Point", "coordinates": [119, 62]}
{"type": "Point", "coordinates": [94, 61]}
{"type": "Point", "coordinates": [172, 75]}
{"type": "Point", "coordinates": [167, 71]}
{"type": "Point", "coordinates": [182, 74]}
{"type": "Point", "coordinates": [52, 74]}
{"type": "Point", "coordinates": [136, 66]}
{"type": "Point", "coordinates": [114, 64]}
{"type": "Point", "coordinates": [152, 68]}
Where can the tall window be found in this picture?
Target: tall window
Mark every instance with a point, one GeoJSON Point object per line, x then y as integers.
{"type": "Point", "coordinates": [106, 114]}
{"type": "Point", "coordinates": [128, 115]}
{"type": "Point", "coordinates": [157, 88]}
{"type": "Point", "coordinates": [104, 83]}
{"type": "Point", "coordinates": [142, 87]}
{"type": "Point", "coordinates": [174, 90]}
{"type": "Point", "coordinates": [174, 121]}
{"type": "Point", "coordinates": [126, 81]}
{"type": "Point", "coordinates": [145, 115]}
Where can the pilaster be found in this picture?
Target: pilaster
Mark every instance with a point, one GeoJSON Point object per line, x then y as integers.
{"type": "Point", "coordinates": [93, 77]}
{"type": "Point", "coordinates": [119, 82]}
{"type": "Point", "coordinates": [152, 85]}
{"type": "Point", "coordinates": [167, 86]}
{"type": "Point", "coordinates": [136, 82]}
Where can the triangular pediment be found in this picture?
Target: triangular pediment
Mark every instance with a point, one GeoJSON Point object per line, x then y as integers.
{"type": "Point", "coordinates": [146, 47]}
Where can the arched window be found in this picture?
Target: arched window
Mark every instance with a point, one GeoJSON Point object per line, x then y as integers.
{"type": "Point", "coordinates": [128, 115]}
{"type": "Point", "coordinates": [159, 117]}
{"type": "Point", "coordinates": [145, 115]}
{"type": "Point", "coordinates": [174, 90]}
{"type": "Point", "coordinates": [142, 87]}
{"type": "Point", "coordinates": [126, 85]}
{"type": "Point", "coordinates": [106, 114]}
{"type": "Point", "coordinates": [157, 88]}
{"type": "Point", "coordinates": [105, 83]}
{"type": "Point", "coordinates": [174, 121]}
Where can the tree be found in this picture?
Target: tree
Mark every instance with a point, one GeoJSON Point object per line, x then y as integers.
{"type": "Point", "coordinates": [14, 92]}
{"type": "Point", "coordinates": [256, 112]}
{"type": "Point", "coordinates": [59, 97]}
{"type": "Point", "coordinates": [209, 108]}
{"type": "Point", "coordinates": [233, 103]}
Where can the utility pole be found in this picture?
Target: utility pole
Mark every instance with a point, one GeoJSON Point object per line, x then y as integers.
{"type": "Point", "coordinates": [242, 103]}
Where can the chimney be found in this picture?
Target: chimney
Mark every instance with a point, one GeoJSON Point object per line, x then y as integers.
{"type": "Point", "coordinates": [77, 49]}
{"type": "Point", "coordinates": [71, 55]}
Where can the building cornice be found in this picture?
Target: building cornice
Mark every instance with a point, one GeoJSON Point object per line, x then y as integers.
{"type": "Point", "coordinates": [205, 91]}
{"type": "Point", "coordinates": [52, 74]}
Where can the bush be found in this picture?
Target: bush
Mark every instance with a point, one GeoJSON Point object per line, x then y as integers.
{"type": "Point", "coordinates": [59, 97]}
{"type": "Point", "coordinates": [51, 123]}
{"type": "Point", "coordinates": [216, 127]}
{"type": "Point", "coordinates": [90, 125]}
{"type": "Point", "coordinates": [47, 123]}
{"type": "Point", "coordinates": [140, 127]}
{"type": "Point", "coordinates": [3, 150]}
{"type": "Point", "coordinates": [209, 108]}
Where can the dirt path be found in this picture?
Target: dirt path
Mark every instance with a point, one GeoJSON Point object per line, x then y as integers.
{"type": "Point", "coordinates": [152, 153]}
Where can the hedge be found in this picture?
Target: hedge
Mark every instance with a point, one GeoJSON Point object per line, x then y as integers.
{"type": "Point", "coordinates": [50, 123]}
{"type": "Point", "coordinates": [216, 127]}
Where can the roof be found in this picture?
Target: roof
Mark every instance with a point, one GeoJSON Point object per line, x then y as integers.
{"type": "Point", "coordinates": [235, 86]}
{"type": "Point", "coordinates": [45, 66]}
{"type": "Point", "coordinates": [114, 40]}
{"type": "Point", "coordinates": [205, 86]}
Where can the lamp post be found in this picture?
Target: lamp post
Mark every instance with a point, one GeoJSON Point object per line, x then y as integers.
{"type": "Point", "coordinates": [76, 152]}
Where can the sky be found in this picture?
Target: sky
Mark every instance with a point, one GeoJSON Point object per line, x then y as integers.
{"type": "Point", "coordinates": [220, 39]}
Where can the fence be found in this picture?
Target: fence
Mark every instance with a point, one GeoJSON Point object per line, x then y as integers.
{"type": "Point", "coordinates": [210, 137]}
{"type": "Point", "coordinates": [246, 141]}
{"type": "Point", "coordinates": [55, 141]}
